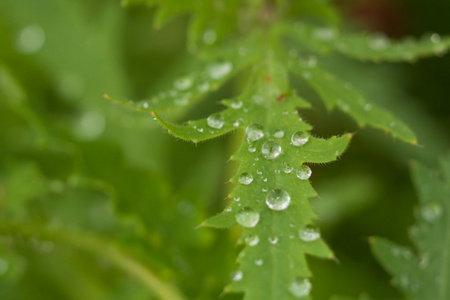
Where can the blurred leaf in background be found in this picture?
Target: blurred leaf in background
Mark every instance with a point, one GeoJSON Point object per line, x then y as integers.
{"type": "Point", "coordinates": [79, 174]}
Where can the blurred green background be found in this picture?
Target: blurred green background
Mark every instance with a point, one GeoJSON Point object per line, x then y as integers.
{"type": "Point", "coordinates": [72, 161]}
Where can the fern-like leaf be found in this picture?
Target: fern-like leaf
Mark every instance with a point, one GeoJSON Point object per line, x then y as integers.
{"type": "Point", "coordinates": [374, 47]}
{"type": "Point", "coordinates": [425, 274]}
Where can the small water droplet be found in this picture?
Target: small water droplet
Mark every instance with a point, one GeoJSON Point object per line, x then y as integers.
{"type": "Point", "coordinates": [271, 149]}
{"type": "Point", "coordinates": [325, 34]}
{"type": "Point", "coordinates": [278, 199]}
{"type": "Point", "coordinates": [252, 240]}
{"type": "Point", "coordinates": [309, 233]}
{"type": "Point", "coordinates": [299, 138]}
{"type": "Point", "coordinates": [300, 287]}
{"type": "Point", "coordinates": [200, 130]}
{"type": "Point", "coordinates": [304, 172]}
{"type": "Point", "coordinates": [228, 209]}
{"type": "Point", "coordinates": [215, 121]}
{"type": "Point", "coordinates": [145, 105]}
{"type": "Point", "coordinates": [219, 70]}
{"type": "Point", "coordinates": [251, 148]}
{"type": "Point", "coordinates": [287, 168]}
{"type": "Point", "coordinates": [264, 190]}
{"type": "Point", "coordinates": [378, 41]}
{"type": "Point", "coordinates": [435, 38]}
{"type": "Point", "coordinates": [247, 217]}
{"type": "Point", "coordinates": [203, 87]}
{"type": "Point", "coordinates": [279, 134]}
{"type": "Point", "coordinates": [4, 266]}
{"type": "Point", "coordinates": [245, 178]}
{"type": "Point", "coordinates": [273, 240]}
{"type": "Point", "coordinates": [237, 199]}
{"type": "Point", "coordinates": [265, 179]}
{"type": "Point", "coordinates": [183, 83]}
{"type": "Point", "coordinates": [254, 132]}
{"type": "Point", "coordinates": [258, 172]}
{"type": "Point", "coordinates": [30, 40]}
{"type": "Point", "coordinates": [367, 107]}
{"type": "Point", "coordinates": [259, 262]}
{"type": "Point", "coordinates": [237, 275]}
{"type": "Point", "coordinates": [209, 37]}
{"type": "Point", "coordinates": [236, 104]}
{"type": "Point", "coordinates": [424, 261]}
{"type": "Point", "coordinates": [431, 212]}
{"type": "Point", "coordinates": [402, 252]}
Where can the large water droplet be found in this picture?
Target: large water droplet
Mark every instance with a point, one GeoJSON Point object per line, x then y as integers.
{"type": "Point", "coordinates": [299, 138]}
{"type": "Point", "coordinates": [431, 212]}
{"type": "Point", "coordinates": [252, 240]}
{"type": "Point", "coordinates": [309, 233]}
{"type": "Point", "coordinates": [247, 217]}
{"type": "Point", "coordinates": [300, 287]}
{"type": "Point", "coordinates": [304, 172]}
{"type": "Point", "coordinates": [271, 149]}
{"type": "Point", "coordinates": [254, 132]}
{"type": "Point", "coordinates": [219, 70]}
{"type": "Point", "coordinates": [278, 199]}
{"type": "Point", "coordinates": [215, 121]}
{"type": "Point", "coordinates": [245, 178]}
{"type": "Point", "coordinates": [237, 275]}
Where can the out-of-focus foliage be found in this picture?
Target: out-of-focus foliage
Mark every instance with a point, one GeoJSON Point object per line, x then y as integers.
{"type": "Point", "coordinates": [96, 202]}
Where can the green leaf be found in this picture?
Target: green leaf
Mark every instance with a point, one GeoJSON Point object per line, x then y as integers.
{"type": "Point", "coordinates": [374, 47]}
{"type": "Point", "coordinates": [270, 199]}
{"type": "Point", "coordinates": [424, 274]}
{"type": "Point", "coordinates": [336, 93]}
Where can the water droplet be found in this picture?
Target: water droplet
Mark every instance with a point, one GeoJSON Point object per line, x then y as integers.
{"type": "Point", "coordinates": [271, 149]}
{"type": "Point", "coordinates": [145, 105]}
{"type": "Point", "coordinates": [237, 275]}
{"type": "Point", "coordinates": [367, 107]}
{"type": "Point", "coordinates": [200, 130]}
{"type": "Point", "coordinates": [424, 261]}
{"type": "Point", "coordinates": [278, 199]}
{"type": "Point", "coordinates": [90, 126]}
{"type": "Point", "coordinates": [252, 240]}
{"type": "Point", "coordinates": [254, 132]}
{"type": "Point", "coordinates": [402, 252]}
{"type": "Point", "coordinates": [30, 40]}
{"type": "Point", "coordinates": [279, 134]}
{"type": "Point", "coordinates": [287, 168]}
{"type": "Point", "coordinates": [378, 41]}
{"type": "Point", "coordinates": [325, 34]}
{"type": "Point", "coordinates": [431, 212]}
{"type": "Point", "coordinates": [209, 37]}
{"type": "Point", "coordinates": [264, 190]}
{"type": "Point", "coordinates": [299, 138]}
{"type": "Point", "coordinates": [258, 172]}
{"type": "Point", "coordinates": [203, 87]}
{"type": "Point", "coordinates": [4, 266]}
{"type": "Point", "coordinates": [435, 38]}
{"type": "Point", "coordinates": [309, 233]}
{"type": "Point", "coordinates": [183, 83]}
{"type": "Point", "coordinates": [237, 199]}
{"type": "Point", "coordinates": [259, 262]}
{"type": "Point", "coordinates": [300, 287]}
{"type": "Point", "coordinates": [245, 178]}
{"type": "Point", "coordinates": [265, 179]}
{"type": "Point", "coordinates": [228, 209]}
{"type": "Point", "coordinates": [251, 148]}
{"type": "Point", "coordinates": [215, 121]}
{"type": "Point", "coordinates": [236, 104]}
{"type": "Point", "coordinates": [247, 217]}
{"type": "Point", "coordinates": [304, 172]}
{"type": "Point", "coordinates": [220, 70]}
{"type": "Point", "coordinates": [273, 240]}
